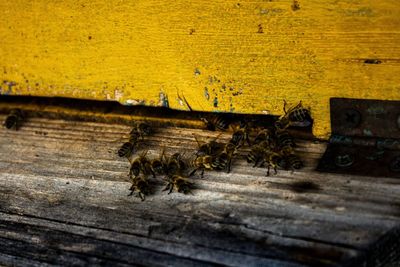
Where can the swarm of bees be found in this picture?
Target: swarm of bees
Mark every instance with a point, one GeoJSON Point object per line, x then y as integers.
{"type": "Point", "coordinates": [269, 146]}
{"type": "Point", "coordinates": [272, 147]}
{"type": "Point", "coordinates": [173, 168]}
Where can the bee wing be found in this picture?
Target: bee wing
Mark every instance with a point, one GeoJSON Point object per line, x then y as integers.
{"type": "Point", "coordinates": [199, 143]}
{"type": "Point", "coordinates": [216, 138]}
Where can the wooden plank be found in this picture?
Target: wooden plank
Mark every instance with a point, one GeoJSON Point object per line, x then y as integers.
{"type": "Point", "coordinates": [62, 181]}
{"type": "Point", "coordinates": [224, 55]}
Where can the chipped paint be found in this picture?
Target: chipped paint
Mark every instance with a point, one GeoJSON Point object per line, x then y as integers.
{"type": "Point", "coordinates": [206, 94]}
{"type": "Point", "coordinates": [163, 99]}
{"type": "Point", "coordinates": [131, 102]}
{"type": "Point", "coordinates": [231, 108]}
{"type": "Point", "coordinates": [215, 102]}
{"type": "Point", "coordinates": [118, 94]}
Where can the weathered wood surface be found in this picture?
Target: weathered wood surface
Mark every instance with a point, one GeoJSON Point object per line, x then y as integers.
{"type": "Point", "coordinates": [64, 200]}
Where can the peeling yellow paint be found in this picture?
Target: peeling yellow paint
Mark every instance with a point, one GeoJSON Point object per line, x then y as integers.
{"type": "Point", "coordinates": [241, 56]}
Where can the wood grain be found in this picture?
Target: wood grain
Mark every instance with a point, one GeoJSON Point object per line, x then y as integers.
{"type": "Point", "coordinates": [64, 200]}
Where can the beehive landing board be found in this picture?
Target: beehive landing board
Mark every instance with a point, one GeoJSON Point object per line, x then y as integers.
{"type": "Point", "coordinates": [63, 200]}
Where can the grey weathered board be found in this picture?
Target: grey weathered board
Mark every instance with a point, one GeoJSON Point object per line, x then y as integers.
{"type": "Point", "coordinates": [64, 200]}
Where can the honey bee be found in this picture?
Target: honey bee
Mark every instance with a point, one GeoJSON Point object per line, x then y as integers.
{"type": "Point", "coordinates": [215, 123]}
{"type": "Point", "coordinates": [264, 135]}
{"type": "Point", "coordinates": [210, 148]}
{"type": "Point", "coordinates": [180, 183]}
{"type": "Point", "coordinates": [224, 159]}
{"type": "Point", "coordinates": [293, 161]}
{"type": "Point", "coordinates": [297, 113]}
{"type": "Point", "coordinates": [273, 160]}
{"type": "Point", "coordinates": [284, 139]}
{"type": "Point", "coordinates": [257, 152]}
{"type": "Point", "coordinates": [141, 185]}
{"type": "Point", "coordinates": [140, 129]}
{"type": "Point", "coordinates": [158, 164]}
{"type": "Point", "coordinates": [201, 163]}
{"type": "Point", "coordinates": [14, 119]}
{"type": "Point", "coordinates": [175, 164]}
{"type": "Point", "coordinates": [141, 164]}
{"type": "Point", "coordinates": [127, 149]}
{"type": "Point", "coordinates": [240, 135]}
{"type": "Point", "coordinates": [296, 116]}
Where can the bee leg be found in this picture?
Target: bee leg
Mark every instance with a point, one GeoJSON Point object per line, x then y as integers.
{"type": "Point", "coordinates": [202, 173]}
{"type": "Point", "coordinates": [248, 140]}
{"type": "Point", "coordinates": [262, 163]}
{"type": "Point", "coordinates": [268, 170]}
{"type": "Point", "coordinates": [229, 166]}
{"type": "Point", "coordinates": [141, 196]}
{"type": "Point", "coordinates": [292, 169]}
{"type": "Point", "coordinates": [170, 190]}
{"type": "Point", "coordinates": [192, 172]}
{"type": "Point", "coordinates": [284, 106]}
{"type": "Point", "coordinates": [167, 187]}
{"type": "Point", "coordinates": [152, 172]}
{"type": "Point", "coordinates": [275, 170]}
{"type": "Point", "coordinates": [132, 189]}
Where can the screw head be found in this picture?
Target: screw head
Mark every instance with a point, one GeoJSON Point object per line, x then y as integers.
{"type": "Point", "coordinates": [351, 118]}
{"type": "Point", "coordinates": [395, 164]}
{"type": "Point", "coordinates": [344, 160]}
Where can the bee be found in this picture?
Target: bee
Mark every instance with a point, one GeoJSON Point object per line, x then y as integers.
{"type": "Point", "coordinates": [158, 164]}
{"type": "Point", "coordinates": [141, 185]}
{"type": "Point", "coordinates": [223, 160]}
{"type": "Point", "coordinates": [264, 135]}
{"type": "Point", "coordinates": [240, 135]}
{"type": "Point", "coordinates": [14, 119]}
{"type": "Point", "coordinates": [284, 139]}
{"type": "Point", "coordinates": [175, 164]}
{"type": "Point", "coordinates": [293, 161]}
{"type": "Point", "coordinates": [210, 148]}
{"type": "Point", "coordinates": [139, 130]}
{"type": "Point", "coordinates": [141, 164]}
{"type": "Point", "coordinates": [296, 116]}
{"type": "Point", "coordinates": [180, 183]}
{"type": "Point", "coordinates": [297, 113]}
{"type": "Point", "coordinates": [215, 123]}
{"type": "Point", "coordinates": [273, 160]}
{"type": "Point", "coordinates": [201, 163]}
{"type": "Point", "coordinates": [127, 149]}
{"type": "Point", "coordinates": [257, 152]}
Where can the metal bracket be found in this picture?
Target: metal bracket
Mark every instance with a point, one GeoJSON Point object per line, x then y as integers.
{"type": "Point", "coordinates": [365, 138]}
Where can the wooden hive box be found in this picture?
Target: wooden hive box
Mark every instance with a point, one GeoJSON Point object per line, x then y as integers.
{"type": "Point", "coordinates": [63, 189]}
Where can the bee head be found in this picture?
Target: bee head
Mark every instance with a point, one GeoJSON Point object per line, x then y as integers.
{"type": "Point", "coordinates": [144, 128]}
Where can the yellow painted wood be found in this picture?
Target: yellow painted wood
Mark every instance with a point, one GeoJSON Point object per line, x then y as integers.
{"type": "Point", "coordinates": [222, 55]}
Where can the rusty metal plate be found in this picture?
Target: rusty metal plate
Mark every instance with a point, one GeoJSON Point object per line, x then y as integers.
{"type": "Point", "coordinates": [365, 138]}
{"type": "Point", "coordinates": [358, 160]}
{"type": "Point", "coordinates": [365, 118]}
